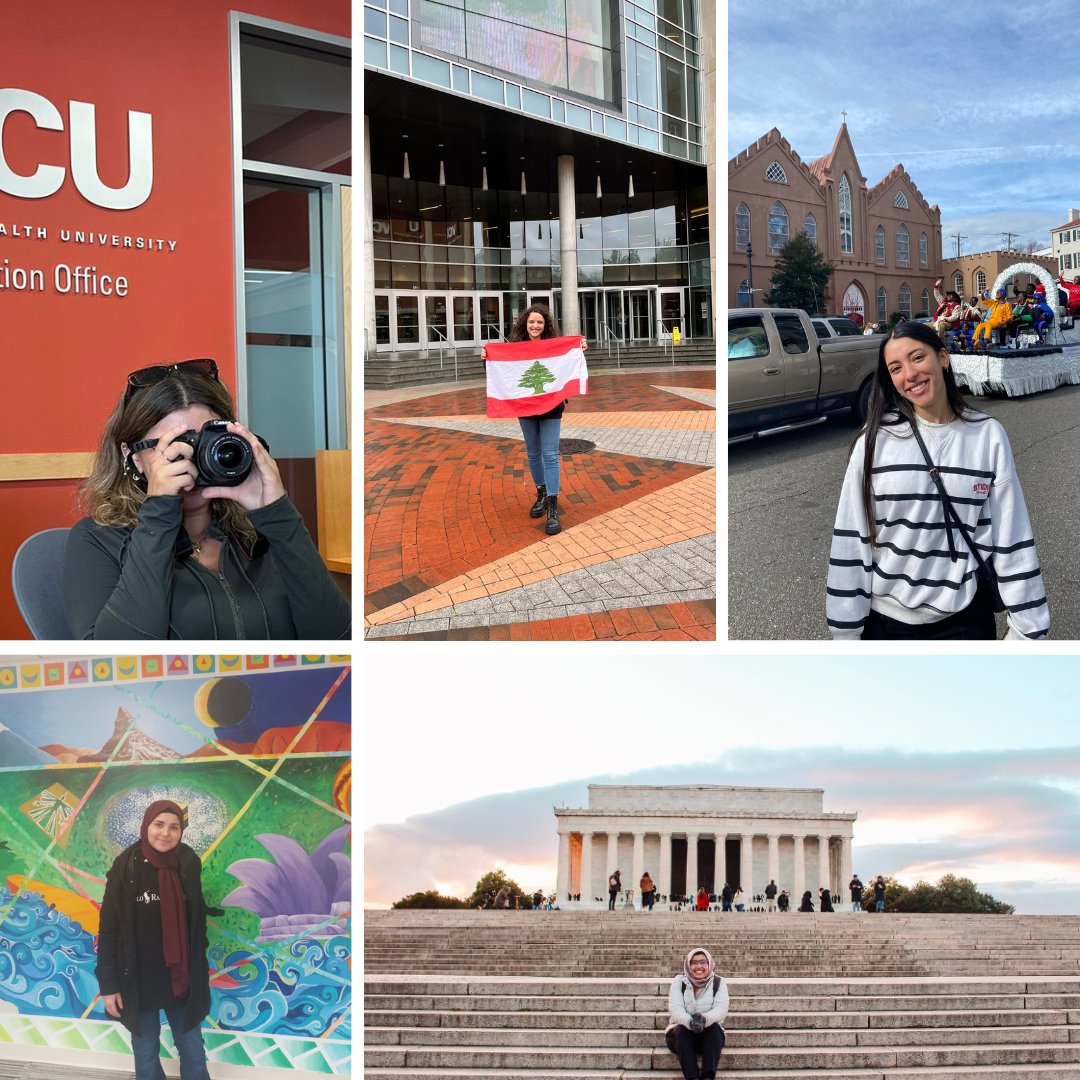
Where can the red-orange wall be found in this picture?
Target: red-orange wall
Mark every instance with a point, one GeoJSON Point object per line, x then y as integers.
{"type": "Point", "coordinates": [64, 357]}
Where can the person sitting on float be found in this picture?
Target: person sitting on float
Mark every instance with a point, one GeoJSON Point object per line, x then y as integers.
{"type": "Point", "coordinates": [999, 315]}
{"type": "Point", "coordinates": [1042, 313]}
{"type": "Point", "coordinates": [1021, 313]}
{"type": "Point", "coordinates": [949, 310]}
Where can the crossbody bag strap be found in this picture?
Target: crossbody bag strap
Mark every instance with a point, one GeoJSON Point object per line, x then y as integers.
{"type": "Point", "coordinates": [946, 502]}
{"type": "Point", "coordinates": [986, 571]}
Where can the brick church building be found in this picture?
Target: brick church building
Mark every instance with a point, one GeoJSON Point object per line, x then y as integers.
{"type": "Point", "coordinates": [884, 240]}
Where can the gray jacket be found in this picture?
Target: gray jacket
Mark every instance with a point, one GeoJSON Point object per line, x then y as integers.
{"type": "Point", "coordinates": [142, 582]}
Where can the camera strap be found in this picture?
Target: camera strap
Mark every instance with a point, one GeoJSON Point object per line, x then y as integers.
{"type": "Point", "coordinates": [143, 444]}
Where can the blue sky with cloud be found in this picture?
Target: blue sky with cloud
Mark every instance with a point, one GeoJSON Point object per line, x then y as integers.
{"type": "Point", "coordinates": [955, 764]}
{"type": "Point", "coordinates": [979, 104]}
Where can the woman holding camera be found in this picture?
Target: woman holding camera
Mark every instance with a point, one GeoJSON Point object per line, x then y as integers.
{"type": "Point", "coordinates": [166, 551]}
{"type": "Point", "coordinates": [698, 1004]}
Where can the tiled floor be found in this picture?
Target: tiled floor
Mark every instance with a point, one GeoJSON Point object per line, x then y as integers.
{"type": "Point", "coordinates": [451, 549]}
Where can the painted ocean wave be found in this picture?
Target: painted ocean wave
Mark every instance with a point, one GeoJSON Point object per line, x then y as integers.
{"type": "Point", "coordinates": [47, 967]}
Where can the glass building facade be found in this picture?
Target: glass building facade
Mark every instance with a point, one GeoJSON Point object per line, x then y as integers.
{"type": "Point", "coordinates": [470, 103]}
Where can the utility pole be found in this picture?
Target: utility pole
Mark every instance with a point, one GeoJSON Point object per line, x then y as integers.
{"type": "Point", "coordinates": [957, 237]}
{"type": "Point", "coordinates": [1007, 237]}
{"type": "Point", "coordinates": [750, 269]}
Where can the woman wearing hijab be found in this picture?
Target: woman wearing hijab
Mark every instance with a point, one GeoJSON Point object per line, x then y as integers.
{"type": "Point", "coordinates": [152, 944]}
{"type": "Point", "coordinates": [698, 1003]}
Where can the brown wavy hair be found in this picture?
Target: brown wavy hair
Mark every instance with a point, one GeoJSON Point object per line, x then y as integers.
{"type": "Point", "coordinates": [519, 332]}
{"type": "Point", "coordinates": [110, 495]}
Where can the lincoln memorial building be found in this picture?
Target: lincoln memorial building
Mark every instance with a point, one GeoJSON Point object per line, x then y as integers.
{"type": "Point", "coordinates": [691, 836]}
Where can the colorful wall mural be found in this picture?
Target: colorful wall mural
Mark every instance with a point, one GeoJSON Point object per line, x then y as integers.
{"type": "Point", "coordinates": [258, 750]}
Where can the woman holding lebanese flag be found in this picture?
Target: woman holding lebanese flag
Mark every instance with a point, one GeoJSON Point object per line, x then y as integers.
{"type": "Point", "coordinates": [518, 379]}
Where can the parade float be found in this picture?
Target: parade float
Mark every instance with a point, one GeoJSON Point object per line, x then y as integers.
{"type": "Point", "coordinates": [1029, 366]}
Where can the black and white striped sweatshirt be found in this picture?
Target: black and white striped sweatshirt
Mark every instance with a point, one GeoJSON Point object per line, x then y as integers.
{"type": "Point", "coordinates": [910, 574]}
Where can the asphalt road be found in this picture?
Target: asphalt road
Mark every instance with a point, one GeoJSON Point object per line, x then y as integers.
{"type": "Point", "coordinates": [782, 496]}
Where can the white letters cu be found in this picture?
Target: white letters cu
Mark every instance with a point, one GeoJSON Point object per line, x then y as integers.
{"type": "Point", "coordinates": [46, 180]}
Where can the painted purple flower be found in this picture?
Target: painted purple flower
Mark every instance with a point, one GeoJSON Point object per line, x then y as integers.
{"type": "Point", "coordinates": [295, 883]}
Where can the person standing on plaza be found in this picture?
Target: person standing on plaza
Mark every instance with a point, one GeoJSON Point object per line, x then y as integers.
{"type": "Point", "coordinates": [807, 901]}
{"type": "Point", "coordinates": [770, 896]}
{"type": "Point", "coordinates": [702, 901]}
{"type": "Point", "coordinates": [737, 900]}
{"type": "Point", "coordinates": [856, 889]}
{"type": "Point", "coordinates": [698, 1005]}
{"type": "Point", "coordinates": [614, 887]}
{"type": "Point", "coordinates": [783, 901]}
{"type": "Point", "coordinates": [648, 891]}
{"type": "Point", "coordinates": [879, 894]}
{"type": "Point", "coordinates": [725, 897]}
{"type": "Point", "coordinates": [152, 944]}
{"type": "Point", "coordinates": [826, 899]}
{"type": "Point", "coordinates": [541, 433]}
{"type": "Point", "coordinates": [932, 534]}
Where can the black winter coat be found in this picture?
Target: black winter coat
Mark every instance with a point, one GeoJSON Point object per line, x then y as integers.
{"type": "Point", "coordinates": [118, 967]}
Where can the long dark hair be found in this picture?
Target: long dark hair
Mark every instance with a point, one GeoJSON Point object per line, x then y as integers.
{"type": "Point", "coordinates": [888, 408]}
{"type": "Point", "coordinates": [519, 332]}
{"type": "Point", "coordinates": [109, 494]}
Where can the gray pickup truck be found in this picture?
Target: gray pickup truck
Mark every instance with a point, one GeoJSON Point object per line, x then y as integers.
{"type": "Point", "coordinates": [780, 376]}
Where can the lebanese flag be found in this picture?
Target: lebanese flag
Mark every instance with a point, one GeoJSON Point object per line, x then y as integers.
{"type": "Point", "coordinates": [529, 378]}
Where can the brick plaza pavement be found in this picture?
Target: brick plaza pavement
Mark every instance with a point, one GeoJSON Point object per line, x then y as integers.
{"type": "Point", "coordinates": [450, 549]}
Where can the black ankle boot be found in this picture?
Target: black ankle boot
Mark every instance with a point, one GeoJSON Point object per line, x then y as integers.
{"type": "Point", "coordinates": [539, 507]}
{"type": "Point", "coordinates": [553, 525]}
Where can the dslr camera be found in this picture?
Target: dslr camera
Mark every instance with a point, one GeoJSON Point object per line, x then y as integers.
{"type": "Point", "coordinates": [222, 458]}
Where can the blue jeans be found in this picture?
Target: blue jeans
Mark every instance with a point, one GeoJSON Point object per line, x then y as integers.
{"type": "Point", "coordinates": [542, 448]}
{"type": "Point", "coordinates": [189, 1045]}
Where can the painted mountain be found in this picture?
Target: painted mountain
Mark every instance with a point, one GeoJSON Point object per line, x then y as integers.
{"type": "Point", "coordinates": [16, 751]}
{"type": "Point", "coordinates": [324, 737]}
{"type": "Point", "coordinates": [138, 746]}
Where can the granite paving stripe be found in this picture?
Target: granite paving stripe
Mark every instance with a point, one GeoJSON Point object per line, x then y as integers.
{"type": "Point", "coordinates": [631, 582]}
{"type": "Point", "coordinates": [692, 621]}
{"type": "Point", "coordinates": [691, 443]}
{"type": "Point", "coordinates": [677, 512]}
{"type": "Point", "coordinates": [705, 397]}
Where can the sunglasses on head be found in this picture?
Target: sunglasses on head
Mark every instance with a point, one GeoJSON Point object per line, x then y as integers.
{"type": "Point", "coordinates": [150, 376]}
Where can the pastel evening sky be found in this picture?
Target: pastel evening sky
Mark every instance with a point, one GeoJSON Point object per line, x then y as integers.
{"type": "Point", "coordinates": [955, 764]}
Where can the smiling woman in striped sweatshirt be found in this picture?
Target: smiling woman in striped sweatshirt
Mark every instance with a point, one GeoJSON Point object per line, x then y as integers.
{"type": "Point", "coordinates": [903, 562]}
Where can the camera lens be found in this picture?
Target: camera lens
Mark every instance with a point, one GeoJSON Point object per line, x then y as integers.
{"type": "Point", "coordinates": [224, 459]}
{"type": "Point", "coordinates": [230, 456]}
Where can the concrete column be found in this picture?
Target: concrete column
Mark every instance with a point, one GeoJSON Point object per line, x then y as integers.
{"type": "Point", "coordinates": [798, 876]}
{"type": "Point", "coordinates": [571, 313]}
{"type": "Point", "coordinates": [845, 867]}
{"type": "Point", "coordinates": [774, 858]}
{"type": "Point", "coordinates": [746, 867]}
{"type": "Point", "coordinates": [562, 885]}
{"type": "Point", "coordinates": [612, 857]}
{"type": "Point", "coordinates": [587, 889]}
{"type": "Point", "coordinates": [367, 227]}
{"type": "Point", "coordinates": [664, 872]}
{"type": "Point", "coordinates": [638, 867]}
{"type": "Point", "coordinates": [824, 881]}
{"type": "Point", "coordinates": [691, 864]}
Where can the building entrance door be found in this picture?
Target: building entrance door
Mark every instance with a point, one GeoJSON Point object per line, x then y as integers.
{"type": "Point", "coordinates": [436, 326]}
{"type": "Point", "coordinates": [670, 303]}
{"type": "Point", "coordinates": [405, 321]}
{"type": "Point", "coordinates": [614, 316]}
{"type": "Point", "coordinates": [639, 314]}
{"type": "Point", "coordinates": [489, 316]}
{"type": "Point", "coordinates": [589, 327]}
